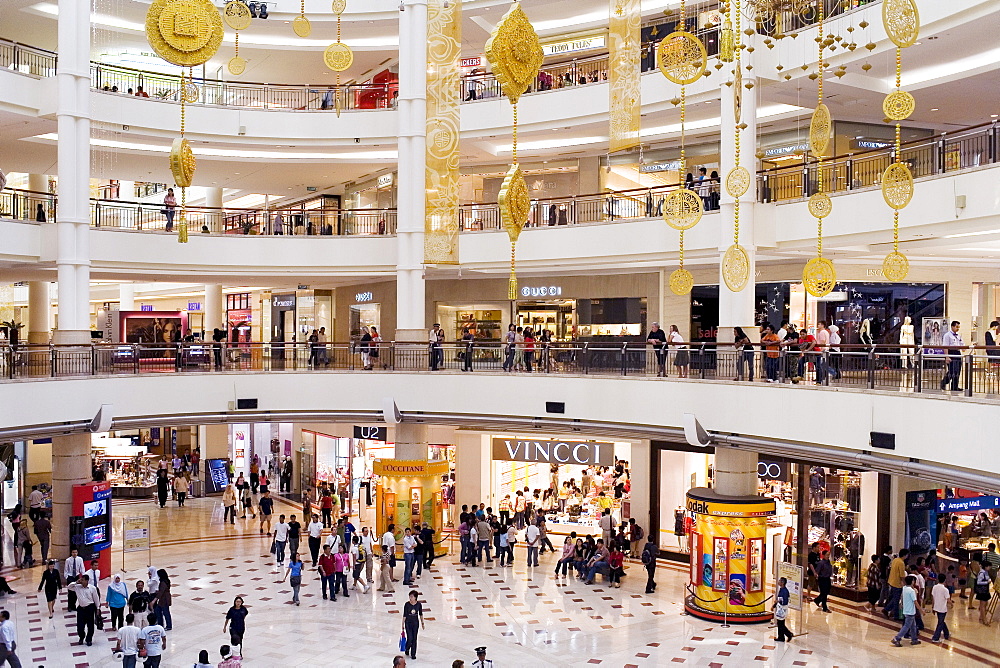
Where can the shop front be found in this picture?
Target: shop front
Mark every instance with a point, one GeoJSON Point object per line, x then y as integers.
{"type": "Point", "coordinates": [239, 318]}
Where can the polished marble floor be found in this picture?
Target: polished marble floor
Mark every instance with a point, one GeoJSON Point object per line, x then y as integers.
{"type": "Point", "coordinates": [526, 617]}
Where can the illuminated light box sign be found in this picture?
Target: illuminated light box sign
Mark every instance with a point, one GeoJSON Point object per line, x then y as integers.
{"type": "Point", "coordinates": [542, 291]}
{"type": "Point", "coordinates": [584, 453]}
{"type": "Point", "coordinates": [573, 45]}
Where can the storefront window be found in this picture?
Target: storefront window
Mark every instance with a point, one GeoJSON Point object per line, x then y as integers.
{"type": "Point", "coordinates": [484, 321]}
{"type": "Point", "coordinates": [364, 315]}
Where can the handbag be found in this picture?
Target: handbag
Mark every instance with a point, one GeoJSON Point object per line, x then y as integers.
{"type": "Point", "coordinates": [274, 547]}
{"type": "Point", "coordinates": [402, 641]}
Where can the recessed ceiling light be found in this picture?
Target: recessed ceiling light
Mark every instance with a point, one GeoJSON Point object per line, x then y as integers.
{"type": "Point", "coordinates": [993, 115]}
{"type": "Point", "coordinates": [934, 109]}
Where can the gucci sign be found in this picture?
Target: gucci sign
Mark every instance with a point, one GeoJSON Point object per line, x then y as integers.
{"type": "Point", "coordinates": [550, 291]}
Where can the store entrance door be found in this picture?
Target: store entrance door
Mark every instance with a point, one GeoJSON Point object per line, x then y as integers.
{"type": "Point", "coordinates": [559, 317]}
{"type": "Point", "coordinates": [363, 315]}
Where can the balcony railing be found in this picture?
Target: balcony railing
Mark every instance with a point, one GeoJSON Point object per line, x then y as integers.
{"type": "Point", "coordinates": [966, 372]}
{"type": "Point", "coordinates": [25, 59]}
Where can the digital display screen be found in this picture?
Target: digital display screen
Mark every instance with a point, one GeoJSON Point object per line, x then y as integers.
{"type": "Point", "coordinates": [95, 534]}
{"type": "Point", "coordinates": [95, 508]}
{"type": "Point", "coordinates": [218, 477]}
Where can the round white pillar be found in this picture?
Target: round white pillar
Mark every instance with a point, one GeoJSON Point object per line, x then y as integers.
{"type": "Point", "coordinates": [126, 296]}
{"type": "Point", "coordinates": [38, 312]}
{"type": "Point", "coordinates": [735, 472]}
{"type": "Point", "coordinates": [70, 466]}
{"type": "Point", "coordinates": [213, 200]}
{"type": "Point", "coordinates": [215, 315]}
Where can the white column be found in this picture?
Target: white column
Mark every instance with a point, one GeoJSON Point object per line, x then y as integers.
{"type": "Point", "coordinates": [472, 469]}
{"type": "Point", "coordinates": [735, 472]}
{"type": "Point", "coordinates": [70, 466]}
{"type": "Point", "coordinates": [126, 296]}
{"type": "Point", "coordinates": [38, 312]}
{"type": "Point", "coordinates": [214, 309]}
{"type": "Point", "coordinates": [38, 183]}
{"type": "Point", "coordinates": [73, 227]}
{"type": "Point", "coordinates": [411, 441]}
{"type": "Point", "coordinates": [412, 114]}
{"type": "Point", "coordinates": [736, 309]}
{"type": "Point", "coordinates": [213, 198]}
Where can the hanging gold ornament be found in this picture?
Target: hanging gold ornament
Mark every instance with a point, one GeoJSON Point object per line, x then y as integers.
{"type": "Point", "coordinates": [184, 32]}
{"type": "Point", "coordinates": [898, 105]}
{"type": "Point", "coordinates": [736, 260]}
{"type": "Point", "coordinates": [681, 57]}
{"type": "Point", "coordinates": [237, 65]}
{"type": "Point", "coordinates": [820, 205]}
{"type": "Point", "coordinates": [736, 267]}
{"type": "Point", "coordinates": [738, 92]}
{"type": "Point", "coordinates": [338, 6]}
{"type": "Point", "coordinates": [897, 185]}
{"type": "Point", "coordinates": [895, 266]}
{"type": "Point", "coordinates": [300, 24]}
{"type": "Point", "coordinates": [819, 129]}
{"type": "Point", "coordinates": [819, 276]}
{"type": "Point", "coordinates": [338, 57]}
{"type": "Point", "coordinates": [902, 21]}
{"type": "Point", "coordinates": [738, 181]}
{"type": "Point", "coordinates": [682, 209]}
{"type": "Point", "coordinates": [681, 281]}
{"type": "Point", "coordinates": [237, 15]}
{"type": "Point", "coordinates": [182, 162]}
{"type": "Point", "coordinates": [514, 203]}
{"type": "Point", "coordinates": [727, 43]}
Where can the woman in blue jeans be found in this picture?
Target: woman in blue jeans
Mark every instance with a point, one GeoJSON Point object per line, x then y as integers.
{"type": "Point", "coordinates": [162, 600]}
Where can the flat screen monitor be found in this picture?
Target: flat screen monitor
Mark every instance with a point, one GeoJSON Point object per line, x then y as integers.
{"type": "Point", "coordinates": [95, 508]}
{"type": "Point", "coordinates": [218, 476]}
{"type": "Point", "coordinates": [95, 534]}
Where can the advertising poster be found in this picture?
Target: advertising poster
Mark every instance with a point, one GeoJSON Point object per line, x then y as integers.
{"type": "Point", "coordinates": [737, 589]}
{"type": "Point", "coordinates": [695, 566]}
{"type": "Point", "coordinates": [708, 570]}
{"type": "Point", "coordinates": [755, 569]}
{"type": "Point", "coordinates": [933, 334]}
{"type": "Point", "coordinates": [721, 564]}
{"type": "Point", "coordinates": [921, 521]}
{"type": "Point", "coordinates": [793, 574]}
{"type": "Point", "coordinates": [136, 532]}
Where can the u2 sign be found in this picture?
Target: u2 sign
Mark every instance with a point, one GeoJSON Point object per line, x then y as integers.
{"type": "Point", "coordinates": [370, 433]}
{"type": "Point", "coordinates": [583, 453]}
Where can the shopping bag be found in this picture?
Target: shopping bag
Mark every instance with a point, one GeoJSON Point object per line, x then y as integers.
{"type": "Point", "coordinates": [402, 641]}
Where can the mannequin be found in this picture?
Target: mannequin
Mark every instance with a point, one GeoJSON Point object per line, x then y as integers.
{"type": "Point", "coordinates": [866, 332]}
{"type": "Point", "coordinates": [906, 339]}
{"type": "Point", "coordinates": [679, 531]}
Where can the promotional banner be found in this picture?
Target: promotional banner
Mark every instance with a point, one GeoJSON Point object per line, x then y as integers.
{"type": "Point", "coordinates": [136, 533]}
{"type": "Point", "coordinates": [623, 74]}
{"type": "Point", "coordinates": [444, 39]}
{"type": "Point", "coordinates": [793, 574]}
{"type": "Point", "coordinates": [921, 521]}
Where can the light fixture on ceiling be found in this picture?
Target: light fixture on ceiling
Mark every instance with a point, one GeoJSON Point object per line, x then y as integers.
{"type": "Point", "coordinates": [934, 109]}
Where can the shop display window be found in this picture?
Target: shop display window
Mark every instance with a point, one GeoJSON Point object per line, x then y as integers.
{"type": "Point", "coordinates": [834, 521]}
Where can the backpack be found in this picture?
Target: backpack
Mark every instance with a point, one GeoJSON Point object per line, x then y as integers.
{"type": "Point", "coordinates": [647, 556]}
{"type": "Point", "coordinates": [638, 533]}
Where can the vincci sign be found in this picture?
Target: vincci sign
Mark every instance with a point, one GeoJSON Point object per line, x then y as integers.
{"type": "Point", "coordinates": [585, 453]}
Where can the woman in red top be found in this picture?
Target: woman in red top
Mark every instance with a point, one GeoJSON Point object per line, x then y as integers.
{"type": "Point", "coordinates": [326, 506]}
{"type": "Point", "coordinates": [529, 348]}
{"type": "Point", "coordinates": [616, 562]}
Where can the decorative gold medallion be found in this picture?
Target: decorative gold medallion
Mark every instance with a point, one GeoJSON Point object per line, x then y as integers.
{"type": "Point", "coordinates": [190, 93]}
{"type": "Point", "coordinates": [184, 32]}
{"type": "Point", "coordinates": [902, 21]}
{"type": "Point", "coordinates": [681, 281]}
{"type": "Point", "coordinates": [237, 65]}
{"type": "Point", "coordinates": [820, 205]}
{"type": "Point", "coordinates": [819, 277]}
{"type": "Point", "coordinates": [736, 267]}
{"type": "Point", "coordinates": [514, 202]}
{"type": "Point", "coordinates": [182, 162]}
{"type": "Point", "coordinates": [819, 129]}
{"type": "Point", "coordinates": [898, 105]}
{"type": "Point", "coordinates": [738, 93]}
{"type": "Point", "coordinates": [895, 266]}
{"type": "Point", "coordinates": [681, 57]}
{"type": "Point", "coordinates": [515, 53]}
{"type": "Point", "coordinates": [338, 6]}
{"type": "Point", "coordinates": [301, 26]}
{"type": "Point", "coordinates": [737, 182]}
{"type": "Point", "coordinates": [237, 15]}
{"type": "Point", "coordinates": [897, 185]}
{"type": "Point", "coordinates": [338, 57]}
{"type": "Point", "coordinates": [682, 209]}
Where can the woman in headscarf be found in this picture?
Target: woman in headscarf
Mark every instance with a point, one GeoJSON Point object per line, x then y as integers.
{"type": "Point", "coordinates": [162, 600]}
{"type": "Point", "coordinates": [117, 600]}
{"type": "Point", "coordinates": [153, 581]}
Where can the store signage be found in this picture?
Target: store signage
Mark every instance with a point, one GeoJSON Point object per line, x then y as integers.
{"type": "Point", "coordinates": [194, 306]}
{"type": "Point", "coordinates": [370, 433]}
{"type": "Point", "coordinates": [384, 181]}
{"type": "Point", "coordinates": [136, 532]}
{"type": "Point", "coordinates": [543, 291]}
{"type": "Point", "coordinates": [283, 301]}
{"type": "Point", "coordinates": [785, 150]}
{"type": "Point", "coordinates": [363, 297]}
{"type": "Point", "coordinates": [571, 45]}
{"type": "Point", "coordinates": [146, 307]}
{"type": "Point", "coordinates": [761, 508]}
{"type": "Point", "coordinates": [768, 470]}
{"type": "Point", "coordinates": [968, 505]}
{"type": "Point", "coordinates": [871, 144]}
{"type": "Point", "coordinates": [584, 453]}
{"type": "Point", "coordinates": [671, 166]}
{"type": "Point", "coordinates": [403, 468]}
{"type": "Point", "coordinates": [472, 62]}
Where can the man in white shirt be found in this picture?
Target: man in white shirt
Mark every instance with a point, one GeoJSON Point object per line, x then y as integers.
{"type": "Point", "coordinates": [409, 558]}
{"type": "Point", "coordinates": [835, 340]}
{"type": "Point", "coordinates": [607, 524]}
{"type": "Point", "coordinates": [324, 355]}
{"type": "Point", "coordinates": [822, 345]}
{"type": "Point", "coordinates": [94, 573]}
{"type": "Point", "coordinates": [532, 537]}
{"type": "Point", "coordinates": [280, 539]}
{"type": "Point", "coordinates": [8, 641]}
{"type": "Point", "coordinates": [941, 597]}
{"type": "Point", "coordinates": [128, 641]}
{"type": "Point", "coordinates": [36, 501]}
{"type": "Point", "coordinates": [153, 638]}
{"type": "Point", "coordinates": [88, 600]}
{"type": "Point", "coordinates": [434, 343]}
{"type": "Point", "coordinates": [72, 570]}
{"type": "Point", "coordinates": [388, 543]}
{"type": "Point", "coordinates": [315, 531]}
{"type": "Point", "coordinates": [953, 341]}
{"type": "Point", "coordinates": [368, 545]}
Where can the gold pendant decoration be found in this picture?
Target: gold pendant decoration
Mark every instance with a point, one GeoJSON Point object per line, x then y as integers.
{"type": "Point", "coordinates": [727, 43]}
{"type": "Point", "coordinates": [624, 84]}
{"type": "Point", "coordinates": [902, 21]}
{"type": "Point", "coordinates": [682, 209]}
{"type": "Point", "coordinates": [302, 26]}
{"type": "Point", "coordinates": [895, 266]}
{"type": "Point", "coordinates": [237, 65]}
{"type": "Point", "coordinates": [184, 32]}
{"type": "Point", "coordinates": [681, 57]}
{"type": "Point", "coordinates": [820, 205]}
{"type": "Point", "coordinates": [182, 162]}
{"type": "Point", "coordinates": [338, 6]}
{"type": "Point", "coordinates": [514, 202]}
{"type": "Point", "coordinates": [737, 182]}
{"type": "Point", "coordinates": [736, 267]}
{"type": "Point", "coordinates": [738, 92]}
{"type": "Point", "coordinates": [819, 129]}
{"type": "Point", "coordinates": [897, 185]}
{"type": "Point", "coordinates": [338, 57]}
{"type": "Point", "coordinates": [190, 92]}
{"type": "Point", "coordinates": [681, 281]}
{"type": "Point", "coordinates": [237, 15]}
{"type": "Point", "coordinates": [898, 105]}
{"type": "Point", "coordinates": [819, 277]}
{"type": "Point", "coordinates": [515, 53]}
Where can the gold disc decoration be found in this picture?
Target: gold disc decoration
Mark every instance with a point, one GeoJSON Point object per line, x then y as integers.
{"type": "Point", "coordinates": [190, 92]}
{"type": "Point", "coordinates": [819, 129]}
{"type": "Point", "coordinates": [897, 185]}
{"type": "Point", "coordinates": [738, 92]}
{"type": "Point", "coordinates": [515, 53]}
{"type": "Point", "coordinates": [736, 267]}
{"type": "Point", "coordinates": [301, 26]}
{"type": "Point", "coordinates": [819, 277]}
{"type": "Point", "coordinates": [182, 162]}
{"type": "Point", "coordinates": [820, 205]}
{"type": "Point", "coordinates": [898, 105]}
{"type": "Point", "coordinates": [737, 182]}
{"type": "Point", "coordinates": [895, 266]}
{"type": "Point", "coordinates": [237, 65]}
{"type": "Point", "coordinates": [681, 281]}
{"type": "Point", "coordinates": [338, 57]}
{"type": "Point", "coordinates": [681, 57]}
{"type": "Point", "coordinates": [514, 202]}
{"type": "Point", "coordinates": [682, 209]}
{"type": "Point", "coordinates": [338, 6]}
{"type": "Point", "coordinates": [237, 15]}
{"type": "Point", "coordinates": [902, 21]}
{"type": "Point", "coordinates": [184, 32]}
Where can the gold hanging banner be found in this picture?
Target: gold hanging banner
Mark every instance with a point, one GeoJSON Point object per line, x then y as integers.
{"type": "Point", "coordinates": [623, 75]}
{"type": "Point", "coordinates": [444, 41]}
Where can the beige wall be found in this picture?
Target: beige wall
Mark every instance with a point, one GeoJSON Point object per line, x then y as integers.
{"type": "Point", "coordinates": [383, 294]}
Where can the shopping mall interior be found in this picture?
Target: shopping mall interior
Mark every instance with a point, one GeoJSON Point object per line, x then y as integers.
{"type": "Point", "coordinates": [701, 297]}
